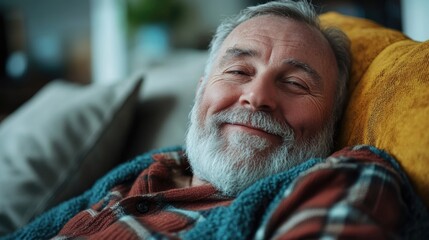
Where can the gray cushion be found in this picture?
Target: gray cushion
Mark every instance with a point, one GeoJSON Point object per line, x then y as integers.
{"type": "Point", "coordinates": [165, 101]}
{"type": "Point", "coordinates": [61, 141]}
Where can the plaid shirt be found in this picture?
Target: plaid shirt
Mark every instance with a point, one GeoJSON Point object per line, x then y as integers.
{"type": "Point", "coordinates": [149, 206]}
{"type": "Point", "coordinates": [355, 193]}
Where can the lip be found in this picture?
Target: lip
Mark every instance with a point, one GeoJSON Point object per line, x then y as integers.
{"type": "Point", "coordinates": [248, 126]}
{"type": "Point", "coordinates": [252, 130]}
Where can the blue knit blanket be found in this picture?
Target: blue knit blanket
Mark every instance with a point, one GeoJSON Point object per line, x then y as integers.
{"type": "Point", "coordinates": [236, 221]}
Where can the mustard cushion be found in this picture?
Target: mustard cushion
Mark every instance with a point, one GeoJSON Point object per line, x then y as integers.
{"type": "Point", "coordinates": [388, 103]}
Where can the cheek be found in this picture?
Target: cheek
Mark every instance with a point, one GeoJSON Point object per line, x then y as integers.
{"type": "Point", "coordinates": [307, 117]}
{"type": "Point", "coordinates": [217, 97]}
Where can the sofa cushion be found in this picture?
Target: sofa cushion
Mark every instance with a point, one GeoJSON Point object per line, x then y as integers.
{"type": "Point", "coordinates": [165, 102]}
{"type": "Point", "coordinates": [57, 144]}
{"type": "Point", "coordinates": [388, 95]}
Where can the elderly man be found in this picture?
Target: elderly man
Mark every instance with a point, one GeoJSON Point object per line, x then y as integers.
{"type": "Point", "coordinates": [255, 162]}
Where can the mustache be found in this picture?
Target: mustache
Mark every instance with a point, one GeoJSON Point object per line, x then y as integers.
{"type": "Point", "coordinates": [259, 119]}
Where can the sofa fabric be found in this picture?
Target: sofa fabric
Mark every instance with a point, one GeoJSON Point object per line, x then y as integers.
{"type": "Point", "coordinates": [388, 103]}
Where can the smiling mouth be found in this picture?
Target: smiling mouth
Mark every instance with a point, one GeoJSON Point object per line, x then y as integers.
{"type": "Point", "coordinates": [252, 130]}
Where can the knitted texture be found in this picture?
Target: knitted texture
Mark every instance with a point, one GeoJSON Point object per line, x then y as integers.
{"type": "Point", "coordinates": [239, 220]}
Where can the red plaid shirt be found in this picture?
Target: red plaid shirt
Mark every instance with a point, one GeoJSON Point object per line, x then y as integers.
{"type": "Point", "coordinates": [150, 204]}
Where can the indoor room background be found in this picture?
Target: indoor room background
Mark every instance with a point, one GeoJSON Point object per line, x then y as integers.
{"type": "Point", "coordinates": [104, 41]}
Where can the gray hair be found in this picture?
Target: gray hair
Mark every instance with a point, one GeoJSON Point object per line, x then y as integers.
{"type": "Point", "coordinates": [300, 11]}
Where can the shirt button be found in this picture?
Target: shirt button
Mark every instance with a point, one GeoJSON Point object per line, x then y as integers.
{"type": "Point", "coordinates": [142, 207]}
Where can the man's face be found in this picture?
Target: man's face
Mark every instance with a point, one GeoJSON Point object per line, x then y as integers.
{"type": "Point", "coordinates": [270, 93]}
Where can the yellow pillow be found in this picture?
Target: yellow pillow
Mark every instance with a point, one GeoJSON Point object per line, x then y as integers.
{"type": "Point", "coordinates": [388, 103]}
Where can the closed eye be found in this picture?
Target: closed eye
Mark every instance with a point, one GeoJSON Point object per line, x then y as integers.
{"type": "Point", "coordinates": [296, 84]}
{"type": "Point", "coordinates": [237, 72]}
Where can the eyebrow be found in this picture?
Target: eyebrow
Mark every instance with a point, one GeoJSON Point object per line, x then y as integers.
{"type": "Point", "coordinates": [240, 52]}
{"type": "Point", "coordinates": [305, 67]}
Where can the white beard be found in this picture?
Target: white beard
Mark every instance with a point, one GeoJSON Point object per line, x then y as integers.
{"type": "Point", "coordinates": [234, 162]}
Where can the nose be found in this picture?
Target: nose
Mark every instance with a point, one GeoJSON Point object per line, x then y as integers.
{"type": "Point", "coordinates": [259, 95]}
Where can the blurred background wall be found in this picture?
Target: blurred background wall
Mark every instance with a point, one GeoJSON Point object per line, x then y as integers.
{"type": "Point", "coordinates": [103, 41]}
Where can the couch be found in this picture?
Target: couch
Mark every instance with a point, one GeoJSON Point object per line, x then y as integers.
{"type": "Point", "coordinates": [58, 143]}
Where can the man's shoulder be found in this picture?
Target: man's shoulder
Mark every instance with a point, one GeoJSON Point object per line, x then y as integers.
{"type": "Point", "coordinates": [362, 155]}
